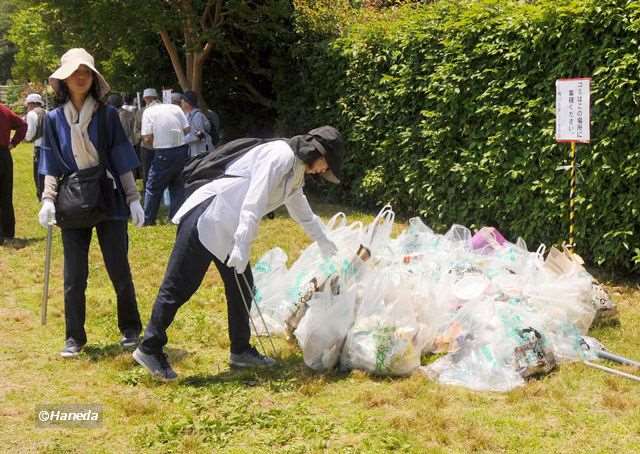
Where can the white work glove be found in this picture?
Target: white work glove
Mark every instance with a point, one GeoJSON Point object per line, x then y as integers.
{"type": "Point", "coordinates": [137, 213]}
{"type": "Point", "coordinates": [238, 259]}
{"type": "Point", "coordinates": [47, 213]}
{"type": "Point", "coordinates": [327, 247]}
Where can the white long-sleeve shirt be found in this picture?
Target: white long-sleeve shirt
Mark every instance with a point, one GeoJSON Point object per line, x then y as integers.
{"type": "Point", "coordinates": [260, 181]}
{"type": "Point", "coordinates": [32, 127]}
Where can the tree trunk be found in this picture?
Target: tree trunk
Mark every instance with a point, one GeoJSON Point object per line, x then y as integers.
{"type": "Point", "coordinates": [196, 82]}
{"type": "Point", "coordinates": [175, 60]}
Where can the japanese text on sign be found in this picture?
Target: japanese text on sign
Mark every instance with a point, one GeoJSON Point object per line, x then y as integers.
{"type": "Point", "coordinates": [166, 96]}
{"type": "Point", "coordinates": [573, 111]}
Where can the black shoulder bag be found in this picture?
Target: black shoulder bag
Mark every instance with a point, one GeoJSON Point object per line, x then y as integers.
{"type": "Point", "coordinates": [87, 197]}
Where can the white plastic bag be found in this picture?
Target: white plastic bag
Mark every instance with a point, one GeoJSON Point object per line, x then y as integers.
{"type": "Point", "coordinates": [323, 329]}
{"type": "Point", "coordinates": [385, 337]}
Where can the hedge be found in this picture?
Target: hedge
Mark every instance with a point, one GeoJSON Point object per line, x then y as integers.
{"type": "Point", "coordinates": [449, 113]}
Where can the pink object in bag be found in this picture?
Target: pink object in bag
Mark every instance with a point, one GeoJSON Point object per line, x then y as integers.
{"type": "Point", "coordinates": [487, 236]}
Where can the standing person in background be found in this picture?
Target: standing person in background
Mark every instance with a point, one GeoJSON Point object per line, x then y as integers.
{"type": "Point", "coordinates": [127, 118]}
{"type": "Point", "coordinates": [72, 134]}
{"type": "Point", "coordinates": [9, 121]}
{"type": "Point", "coordinates": [128, 104]}
{"type": "Point", "coordinates": [150, 98]}
{"type": "Point", "coordinates": [199, 137]}
{"type": "Point", "coordinates": [163, 128]}
{"type": "Point", "coordinates": [35, 125]}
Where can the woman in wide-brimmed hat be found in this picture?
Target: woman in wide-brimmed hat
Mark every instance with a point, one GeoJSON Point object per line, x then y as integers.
{"type": "Point", "coordinates": [70, 143]}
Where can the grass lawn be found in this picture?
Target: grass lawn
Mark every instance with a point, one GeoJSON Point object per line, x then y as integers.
{"type": "Point", "coordinates": [290, 409]}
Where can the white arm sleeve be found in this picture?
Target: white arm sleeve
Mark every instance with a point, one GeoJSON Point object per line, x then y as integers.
{"type": "Point", "coordinates": [32, 125]}
{"type": "Point", "coordinates": [299, 209]}
{"type": "Point", "coordinates": [268, 171]}
{"type": "Point", "coordinates": [146, 127]}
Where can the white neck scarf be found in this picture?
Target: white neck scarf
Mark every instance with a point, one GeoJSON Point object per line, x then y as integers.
{"type": "Point", "coordinates": [84, 152]}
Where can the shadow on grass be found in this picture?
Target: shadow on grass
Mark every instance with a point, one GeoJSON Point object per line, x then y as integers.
{"type": "Point", "coordinates": [20, 243]}
{"type": "Point", "coordinates": [288, 370]}
{"type": "Point", "coordinates": [100, 352]}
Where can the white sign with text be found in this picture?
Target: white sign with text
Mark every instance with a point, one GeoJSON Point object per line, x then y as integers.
{"type": "Point", "coordinates": [166, 96]}
{"type": "Point", "coordinates": [573, 110]}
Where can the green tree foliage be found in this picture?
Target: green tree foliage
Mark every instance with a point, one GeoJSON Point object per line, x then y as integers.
{"type": "Point", "coordinates": [228, 49]}
{"type": "Point", "coordinates": [449, 114]}
{"type": "Point", "coordinates": [7, 48]}
{"type": "Point", "coordinates": [34, 33]}
{"type": "Point", "coordinates": [127, 54]}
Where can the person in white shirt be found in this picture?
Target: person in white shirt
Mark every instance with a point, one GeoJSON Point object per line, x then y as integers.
{"type": "Point", "coordinates": [150, 97]}
{"type": "Point", "coordinates": [163, 128]}
{"type": "Point", "coordinates": [219, 222]}
{"type": "Point", "coordinates": [35, 123]}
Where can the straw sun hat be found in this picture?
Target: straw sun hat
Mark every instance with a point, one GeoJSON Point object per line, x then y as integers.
{"type": "Point", "coordinates": [69, 62]}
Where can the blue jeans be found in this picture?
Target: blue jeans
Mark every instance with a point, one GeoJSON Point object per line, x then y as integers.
{"type": "Point", "coordinates": [165, 172]}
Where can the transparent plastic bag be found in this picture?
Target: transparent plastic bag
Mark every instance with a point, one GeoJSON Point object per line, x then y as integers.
{"type": "Point", "coordinates": [269, 291]}
{"type": "Point", "coordinates": [385, 337]}
{"type": "Point", "coordinates": [377, 236]}
{"type": "Point", "coordinates": [323, 329]}
{"type": "Point", "coordinates": [493, 346]}
{"type": "Point", "coordinates": [500, 312]}
{"type": "Point", "coordinates": [564, 298]}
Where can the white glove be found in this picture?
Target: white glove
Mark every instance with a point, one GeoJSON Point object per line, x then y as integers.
{"type": "Point", "coordinates": [327, 247]}
{"type": "Point", "coordinates": [238, 259]}
{"type": "Point", "coordinates": [47, 213]}
{"type": "Point", "coordinates": [137, 213]}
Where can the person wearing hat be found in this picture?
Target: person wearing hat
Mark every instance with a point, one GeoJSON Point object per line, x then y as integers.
{"type": "Point", "coordinates": [164, 127]}
{"type": "Point", "coordinates": [149, 97]}
{"type": "Point", "coordinates": [219, 222]}
{"type": "Point", "coordinates": [9, 121]}
{"type": "Point", "coordinates": [70, 144]}
{"type": "Point", "coordinates": [199, 137]}
{"type": "Point", "coordinates": [35, 123]}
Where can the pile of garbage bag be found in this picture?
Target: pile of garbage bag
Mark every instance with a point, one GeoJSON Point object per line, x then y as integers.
{"type": "Point", "coordinates": [497, 313]}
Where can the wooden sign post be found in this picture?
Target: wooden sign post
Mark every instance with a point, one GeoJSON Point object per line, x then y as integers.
{"type": "Point", "coordinates": [573, 125]}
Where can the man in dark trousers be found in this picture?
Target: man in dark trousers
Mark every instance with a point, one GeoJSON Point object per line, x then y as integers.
{"type": "Point", "coordinates": [8, 121]}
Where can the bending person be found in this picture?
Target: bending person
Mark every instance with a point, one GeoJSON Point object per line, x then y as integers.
{"type": "Point", "coordinates": [70, 143]}
{"type": "Point", "coordinates": [219, 222]}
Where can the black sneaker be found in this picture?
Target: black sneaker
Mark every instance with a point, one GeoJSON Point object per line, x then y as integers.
{"type": "Point", "coordinates": [250, 358]}
{"type": "Point", "coordinates": [71, 348]}
{"type": "Point", "coordinates": [157, 364]}
{"type": "Point", "coordinates": [130, 339]}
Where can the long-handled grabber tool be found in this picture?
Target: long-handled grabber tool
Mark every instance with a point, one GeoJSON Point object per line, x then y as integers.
{"type": "Point", "coordinates": [593, 345]}
{"type": "Point", "coordinates": [47, 269]}
{"type": "Point", "coordinates": [256, 305]}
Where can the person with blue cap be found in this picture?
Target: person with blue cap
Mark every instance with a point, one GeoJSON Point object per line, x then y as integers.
{"type": "Point", "coordinates": [199, 137]}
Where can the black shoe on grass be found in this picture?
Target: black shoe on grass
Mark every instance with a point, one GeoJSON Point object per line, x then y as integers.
{"type": "Point", "coordinates": [156, 364]}
{"type": "Point", "coordinates": [130, 339]}
{"type": "Point", "coordinates": [250, 358]}
{"type": "Point", "coordinates": [71, 348]}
